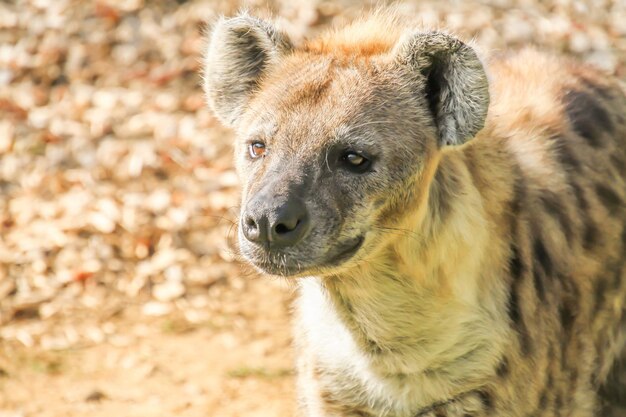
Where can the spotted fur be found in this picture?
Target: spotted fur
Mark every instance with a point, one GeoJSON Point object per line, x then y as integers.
{"type": "Point", "coordinates": [491, 279]}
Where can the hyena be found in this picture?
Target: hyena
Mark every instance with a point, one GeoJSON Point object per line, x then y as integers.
{"type": "Point", "coordinates": [456, 225]}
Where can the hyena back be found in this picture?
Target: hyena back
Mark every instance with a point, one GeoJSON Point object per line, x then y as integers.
{"type": "Point", "coordinates": [457, 228]}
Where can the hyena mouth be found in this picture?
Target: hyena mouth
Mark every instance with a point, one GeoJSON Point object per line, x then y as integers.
{"type": "Point", "coordinates": [279, 264]}
{"type": "Point", "coordinates": [347, 252]}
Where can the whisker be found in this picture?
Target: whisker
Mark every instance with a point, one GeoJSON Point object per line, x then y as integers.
{"type": "Point", "coordinates": [215, 217]}
{"type": "Point", "coordinates": [403, 232]}
{"type": "Point", "coordinates": [326, 159]}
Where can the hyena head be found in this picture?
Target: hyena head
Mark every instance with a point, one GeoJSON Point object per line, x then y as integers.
{"type": "Point", "coordinates": [338, 139]}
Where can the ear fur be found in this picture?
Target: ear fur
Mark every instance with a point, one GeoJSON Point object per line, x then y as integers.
{"type": "Point", "coordinates": [456, 88]}
{"type": "Point", "coordinates": [239, 52]}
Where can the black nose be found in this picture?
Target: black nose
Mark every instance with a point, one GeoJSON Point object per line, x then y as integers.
{"type": "Point", "coordinates": [282, 225]}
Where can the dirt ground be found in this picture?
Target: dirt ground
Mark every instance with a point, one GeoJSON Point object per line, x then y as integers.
{"type": "Point", "coordinates": [120, 289]}
{"type": "Point", "coordinates": [163, 367]}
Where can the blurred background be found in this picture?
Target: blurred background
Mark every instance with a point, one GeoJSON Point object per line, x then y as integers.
{"type": "Point", "coordinates": [119, 290]}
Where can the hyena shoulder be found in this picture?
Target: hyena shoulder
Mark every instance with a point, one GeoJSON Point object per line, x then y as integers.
{"type": "Point", "coordinates": [563, 126]}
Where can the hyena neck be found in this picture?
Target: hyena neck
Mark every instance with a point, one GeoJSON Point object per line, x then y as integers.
{"type": "Point", "coordinates": [417, 306]}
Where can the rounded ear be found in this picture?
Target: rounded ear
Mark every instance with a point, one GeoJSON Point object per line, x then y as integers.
{"type": "Point", "coordinates": [456, 85]}
{"type": "Point", "coordinates": [239, 51]}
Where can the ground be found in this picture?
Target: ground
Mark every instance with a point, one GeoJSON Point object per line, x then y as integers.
{"type": "Point", "coordinates": [121, 292]}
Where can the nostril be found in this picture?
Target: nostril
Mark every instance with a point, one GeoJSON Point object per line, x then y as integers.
{"type": "Point", "coordinates": [252, 230]}
{"type": "Point", "coordinates": [282, 228]}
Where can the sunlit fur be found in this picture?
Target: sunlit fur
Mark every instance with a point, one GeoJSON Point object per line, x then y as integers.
{"type": "Point", "coordinates": [492, 279]}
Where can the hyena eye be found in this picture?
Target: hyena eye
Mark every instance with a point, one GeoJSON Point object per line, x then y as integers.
{"type": "Point", "coordinates": [355, 162]}
{"type": "Point", "coordinates": [256, 149]}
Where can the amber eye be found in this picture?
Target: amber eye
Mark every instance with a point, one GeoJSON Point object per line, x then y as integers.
{"type": "Point", "coordinates": [256, 149]}
{"type": "Point", "coordinates": [355, 162]}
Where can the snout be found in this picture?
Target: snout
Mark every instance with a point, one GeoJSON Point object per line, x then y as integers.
{"type": "Point", "coordinates": [275, 222]}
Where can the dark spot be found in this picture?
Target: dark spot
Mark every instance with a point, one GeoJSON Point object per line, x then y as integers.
{"type": "Point", "coordinates": [587, 116]}
{"type": "Point", "coordinates": [593, 378]}
{"type": "Point", "coordinates": [519, 194]}
{"type": "Point", "coordinates": [558, 402]}
{"type": "Point", "coordinates": [613, 389]}
{"type": "Point", "coordinates": [609, 198]}
{"type": "Point", "coordinates": [486, 399]}
{"type": "Point", "coordinates": [503, 368]}
{"type": "Point", "coordinates": [598, 294]}
{"type": "Point", "coordinates": [441, 194]}
{"type": "Point", "coordinates": [543, 401]}
{"type": "Point", "coordinates": [602, 91]}
{"type": "Point", "coordinates": [526, 346]}
{"type": "Point", "coordinates": [617, 278]}
{"type": "Point", "coordinates": [516, 267]}
{"type": "Point", "coordinates": [542, 268]}
{"type": "Point", "coordinates": [538, 279]}
{"type": "Point", "coordinates": [567, 315]}
{"type": "Point", "coordinates": [619, 164]}
{"type": "Point", "coordinates": [514, 308]}
{"type": "Point", "coordinates": [591, 235]}
{"type": "Point", "coordinates": [566, 156]}
{"type": "Point", "coordinates": [542, 256]}
{"type": "Point", "coordinates": [569, 307]}
{"type": "Point", "coordinates": [557, 210]}
{"type": "Point", "coordinates": [373, 347]}
{"type": "Point", "coordinates": [579, 193]}
{"type": "Point", "coordinates": [441, 413]}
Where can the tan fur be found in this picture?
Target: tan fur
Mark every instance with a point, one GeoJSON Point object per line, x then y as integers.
{"type": "Point", "coordinates": [362, 38]}
{"type": "Point", "coordinates": [491, 280]}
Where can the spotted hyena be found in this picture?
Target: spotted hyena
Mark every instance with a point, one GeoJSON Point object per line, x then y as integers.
{"type": "Point", "coordinates": [456, 225]}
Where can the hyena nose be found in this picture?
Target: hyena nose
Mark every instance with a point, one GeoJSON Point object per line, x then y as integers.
{"type": "Point", "coordinates": [281, 226]}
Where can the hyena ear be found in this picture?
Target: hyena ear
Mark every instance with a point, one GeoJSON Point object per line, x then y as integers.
{"type": "Point", "coordinates": [239, 52]}
{"type": "Point", "coordinates": [456, 85]}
